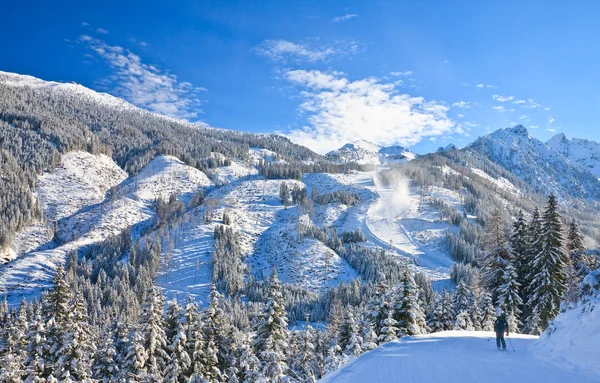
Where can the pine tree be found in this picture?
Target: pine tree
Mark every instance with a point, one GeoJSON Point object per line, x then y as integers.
{"type": "Point", "coordinates": [549, 267]}
{"type": "Point", "coordinates": [496, 255]}
{"type": "Point", "coordinates": [215, 338]}
{"type": "Point", "coordinates": [488, 312]}
{"type": "Point", "coordinates": [350, 339]}
{"type": "Point", "coordinates": [444, 316]}
{"type": "Point", "coordinates": [463, 297]}
{"type": "Point", "coordinates": [519, 245]}
{"type": "Point", "coordinates": [152, 326]}
{"type": "Point", "coordinates": [36, 349]}
{"type": "Point", "coordinates": [463, 321]}
{"type": "Point", "coordinates": [248, 365]}
{"type": "Point", "coordinates": [74, 358]}
{"type": "Point", "coordinates": [369, 338]}
{"type": "Point", "coordinates": [509, 298]}
{"type": "Point", "coordinates": [534, 233]}
{"type": "Point", "coordinates": [272, 335]}
{"type": "Point", "coordinates": [106, 368]}
{"type": "Point", "coordinates": [180, 360]}
{"type": "Point", "coordinates": [389, 331]}
{"type": "Point", "coordinates": [408, 312]}
{"type": "Point", "coordinates": [135, 363]}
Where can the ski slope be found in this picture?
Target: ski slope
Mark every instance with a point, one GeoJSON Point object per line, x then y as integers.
{"type": "Point", "coordinates": [456, 357]}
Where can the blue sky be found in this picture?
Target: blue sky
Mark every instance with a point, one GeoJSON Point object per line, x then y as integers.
{"type": "Point", "coordinates": [419, 73]}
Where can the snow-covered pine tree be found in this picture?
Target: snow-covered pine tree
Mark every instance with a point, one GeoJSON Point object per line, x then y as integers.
{"type": "Point", "coordinates": [248, 365]}
{"type": "Point", "coordinates": [350, 339]}
{"type": "Point", "coordinates": [306, 363]}
{"type": "Point", "coordinates": [106, 367]}
{"type": "Point", "coordinates": [534, 232]}
{"type": "Point", "coordinates": [134, 367]}
{"type": "Point", "coordinates": [550, 266]}
{"type": "Point", "coordinates": [444, 317]}
{"type": "Point", "coordinates": [519, 244]}
{"type": "Point", "coordinates": [74, 357]}
{"type": "Point", "coordinates": [215, 337]}
{"type": "Point", "coordinates": [509, 299]}
{"type": "Point", "coordinates": [463, 297]}
{"type": "Point", "coordinates": [272, 335]}
{"type": "Point", "coordinates": [334, 359]}
{"type": "Point", "coordinates": [389, 330]}
{"type": "Point", "coordinates": [36, 349]}
{"type": "Point", "coordinates": [496, 255]}
{"type": "Point", "coordinates": [56, 313]}
{"type": "Point", "coordinates": [180, 361]}
{"type": "Point", "coordinates": [152, 326]}
{"type": "Point", "coordinates": [575, 246]}
{"type": "Point", "coordinates": [463, 321]}
{"type": "Point", "coordinates": [172, 320]}
{"type": "Point", "coordinates": [194, 336]}
{"type": "Point", "coordinates": [488, 311]}
{"type": "Point", "coordinates": [407, 309]}
{"type": "Point", "coordinates": [379, 307]}
{"type": "Point", "coordinates": [369, 338]}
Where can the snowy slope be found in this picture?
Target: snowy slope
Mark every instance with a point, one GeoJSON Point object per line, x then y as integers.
{"type": "Point", "coordinates": [367, 153]}
{"type": "Point", "coordinates": [18, 80]}
{"type": "Point", "coordinates": [536, 163]}
{"type": "Point", "coordinates": [456, 357]}
{"type": "Point", "coordinates": [583, 152]}
{"type": "Point", "coordinates": [76, 196]}
{"type": "Point", "coordinates": [574, 335]}
{"type": "Point", "coordinates": [82, 180]}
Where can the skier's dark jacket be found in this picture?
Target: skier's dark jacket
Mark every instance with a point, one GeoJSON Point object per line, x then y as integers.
{"type": "Point", "coordinates": [500, 326]}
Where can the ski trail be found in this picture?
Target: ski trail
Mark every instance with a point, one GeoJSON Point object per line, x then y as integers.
{"type": "Point", "coordinates": [456, 357]}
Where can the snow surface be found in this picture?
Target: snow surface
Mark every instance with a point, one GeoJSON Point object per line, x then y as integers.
{"type": "Point", "coordinates": [574, 335]}
{"type": "Point", "coordinates": [457, 357]}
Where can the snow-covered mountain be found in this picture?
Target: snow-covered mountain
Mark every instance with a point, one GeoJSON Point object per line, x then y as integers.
{"type": "Point", "coordinates": [581, 151]}
{"type": "Point", "coordinates": [367, 153]}
{"type": "Point", "coordinates": [536, 163]}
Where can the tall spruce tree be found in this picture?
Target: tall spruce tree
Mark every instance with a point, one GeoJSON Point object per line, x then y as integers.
{"type": "Point", "coordinates": [550, 266]}
{"type": "Point", "coordinates": [272, 335]}
{"type": "Point", "coordinates": [496, 255]}
{"type": "Point", "coordinates": [519, 244]}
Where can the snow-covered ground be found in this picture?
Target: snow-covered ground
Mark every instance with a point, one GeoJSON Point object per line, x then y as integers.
{"type": "Point", "coordinates": [574, 335]}
{"type": "Point", "coordinates": [457, 357]}
{"type": "Point", "coordinates": [75, 195]}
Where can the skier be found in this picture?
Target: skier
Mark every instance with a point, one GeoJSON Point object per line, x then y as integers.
{"type": "Point", "coordinates": [501, 326]}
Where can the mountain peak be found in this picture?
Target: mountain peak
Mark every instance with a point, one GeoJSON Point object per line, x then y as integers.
{"type": "Point", "coordinates": [519, 130]}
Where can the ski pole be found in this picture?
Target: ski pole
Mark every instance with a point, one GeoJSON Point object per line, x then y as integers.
{"type": "Point", "coordinates": [511, 345]}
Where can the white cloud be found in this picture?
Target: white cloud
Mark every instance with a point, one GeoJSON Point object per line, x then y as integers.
{"type": "Point", "coordinates": [499, 108]}
{"type": "Point", "coordinates": [534, 127]}
{"type": "Point", "coordinates": [145, 85]}
{"type": "Point", "coordinates": [459, 115]}
{"type": "Point", "coordinates": [344, 18]}
{"type": "Point", "coordinates": [340, 110]}
{"type": "Point", "coordinates": [462, 104]}
{"type": "Point", "coordinates": [480, 86]}
{"type": "Point", "coordinates": [546, 109]}
{"type": "Point", "coordinates": [502, 98]}
{"type": "Point", "coordinates": [519, 102]}
{"type": "Point", "coordinates": [282, 50]}
{"type": "Point", "coordinates": [406, 73]}
{"type": "Point", "coordinates": [551, 120]}
{"type": "Point", "coordinates": [85, 24]}
{"type": "Point", "coordinates": [101, 31]}
{"type": "Point", "coordinates": [531, 104]}
{"type": "Point", "coordinates": [551, 130]}
{"type": "Point", "coordinates": [522, 117]}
